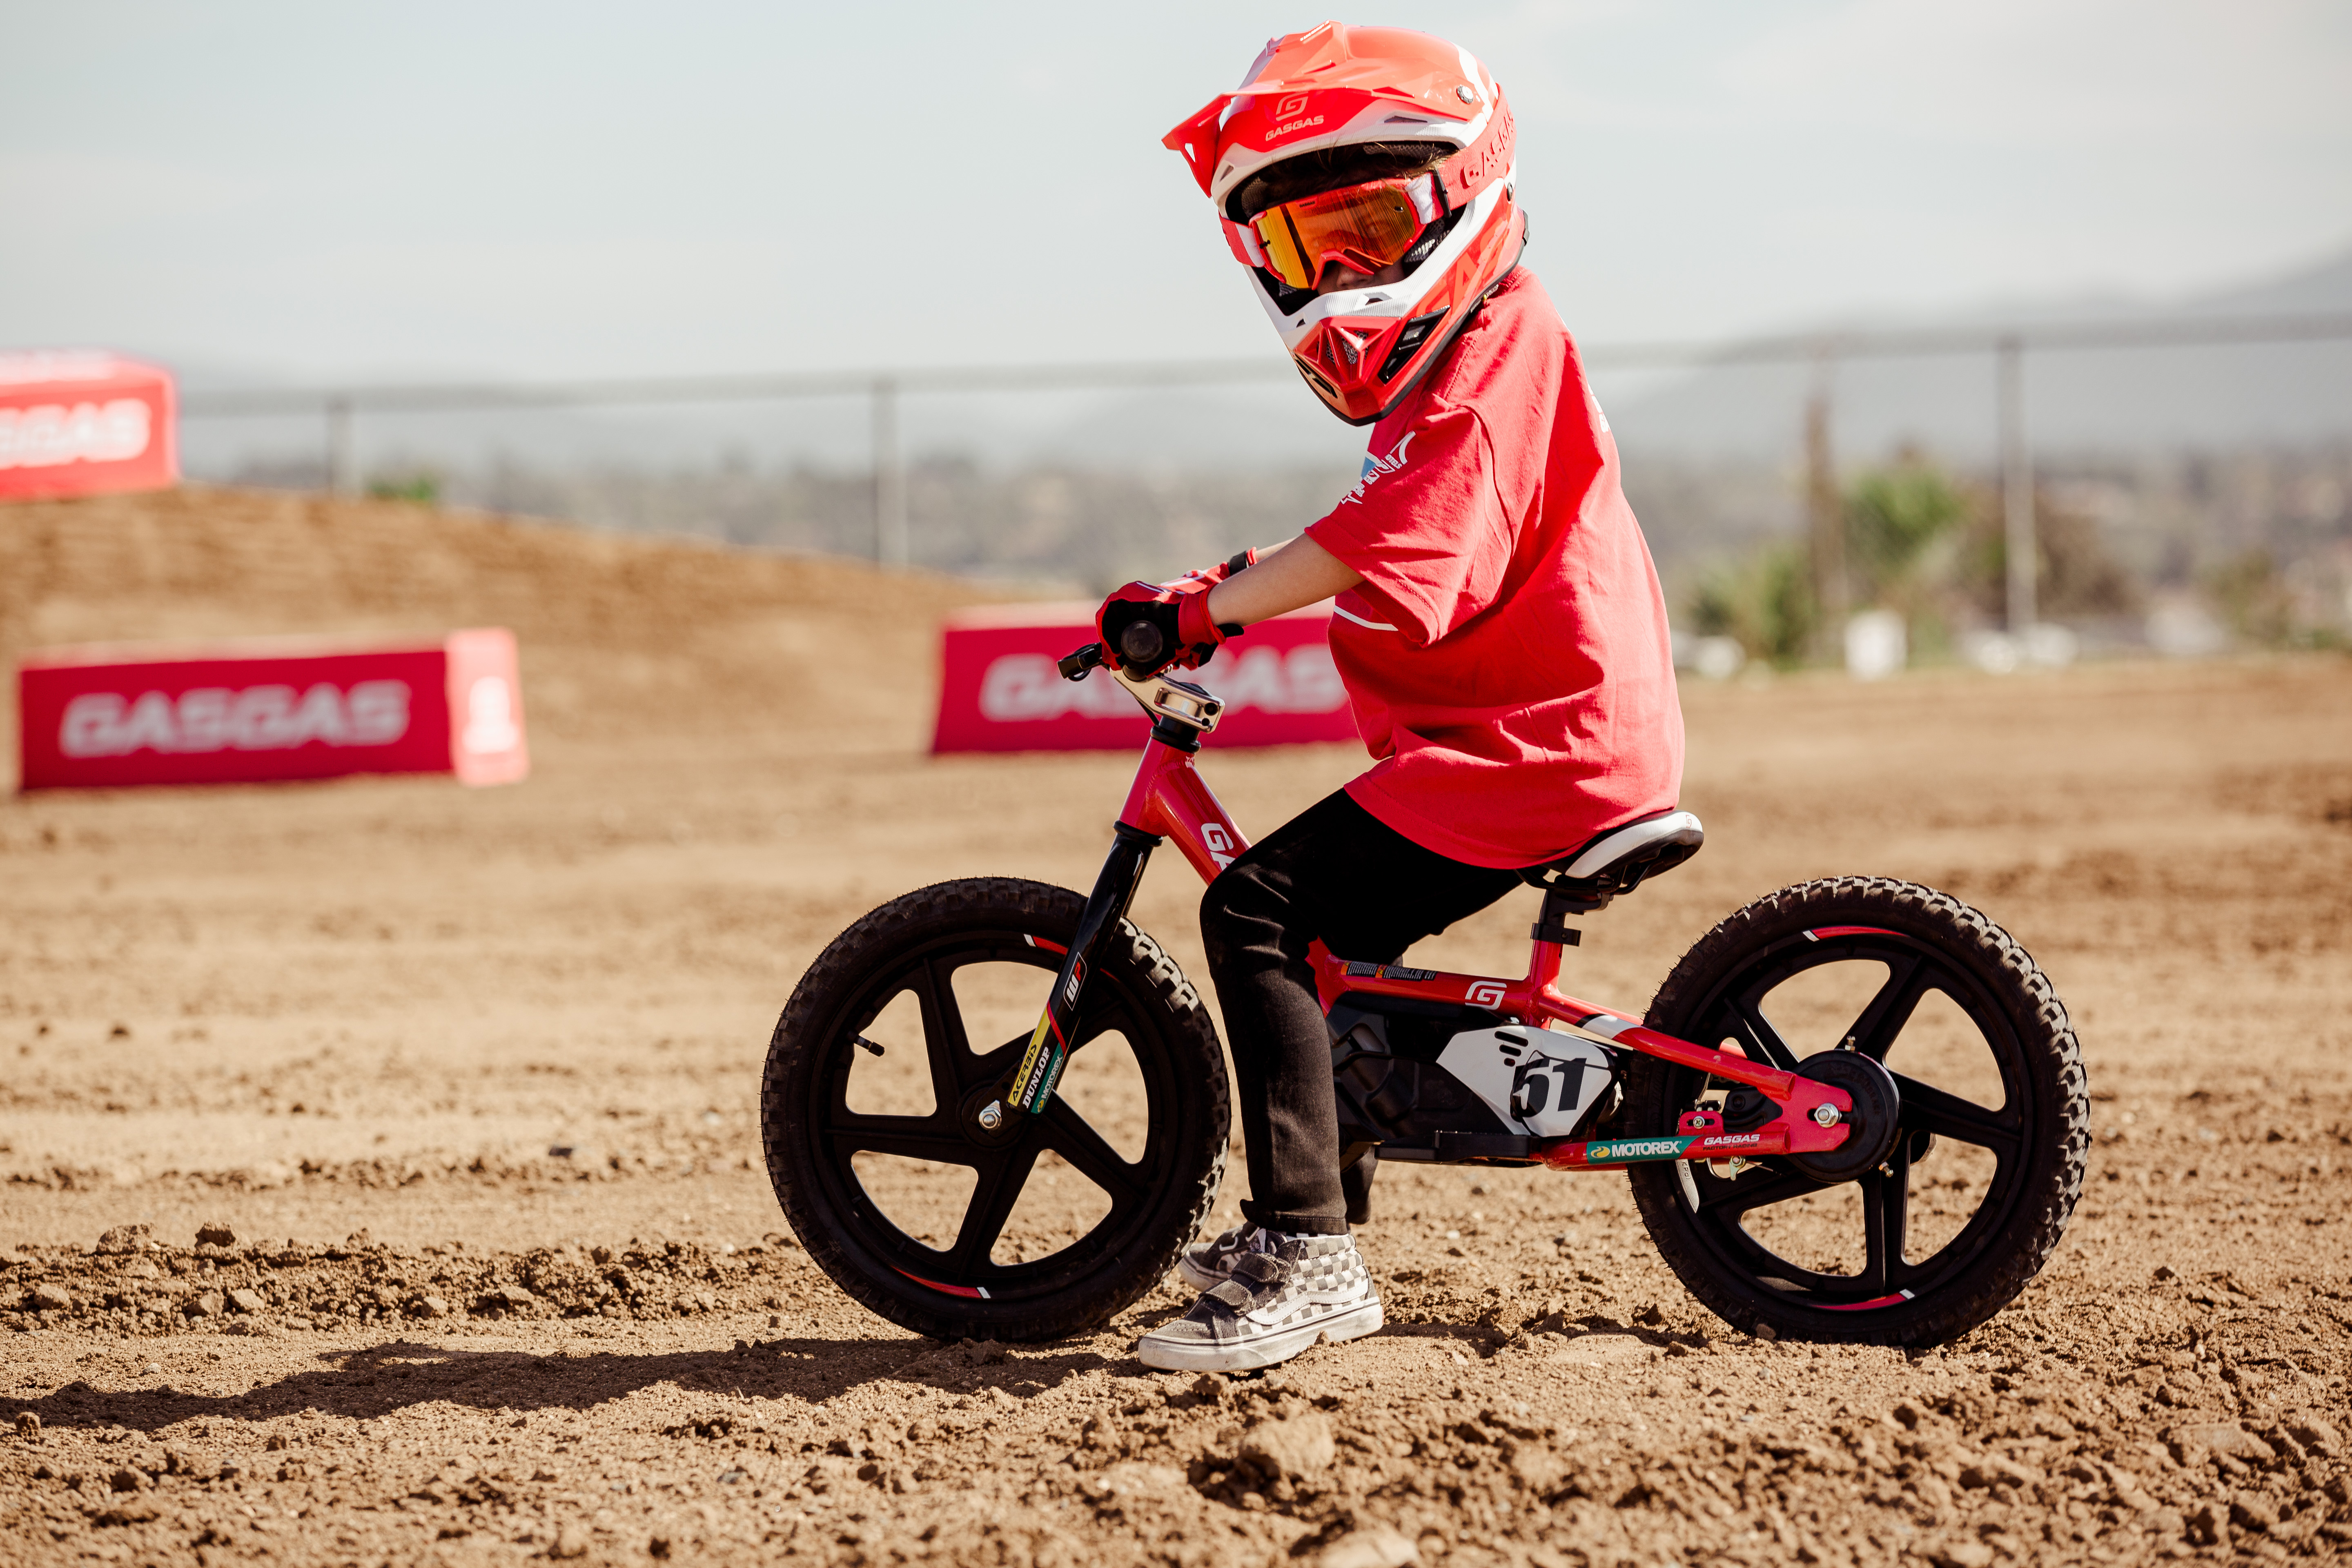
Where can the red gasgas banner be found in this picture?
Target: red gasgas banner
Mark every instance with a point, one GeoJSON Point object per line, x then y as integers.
{"type": "Point", "coordinates": [999, 690]}
{"type": "Point", "coordinates": [102, 717]}
{"type": "Point", "coordinates": [75, 423]}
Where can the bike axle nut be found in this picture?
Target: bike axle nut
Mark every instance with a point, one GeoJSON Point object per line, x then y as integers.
{"type": "Point", "coordinates": [1825, 1116]}
{"type": "Point", "coordinates": [992, 1115]}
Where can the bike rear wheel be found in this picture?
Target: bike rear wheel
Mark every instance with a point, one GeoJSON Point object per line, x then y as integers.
{"type": "Point", "coordinates": [1994, 1125]}
{"type": "Point", "coordinates": [1064, 1217]}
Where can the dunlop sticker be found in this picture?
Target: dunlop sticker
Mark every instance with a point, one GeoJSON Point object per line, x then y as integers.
{"type": "Point", "coordinates": [1032, 1066]}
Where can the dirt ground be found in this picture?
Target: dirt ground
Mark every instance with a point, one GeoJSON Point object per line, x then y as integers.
{"type": "Point", "coordinates": [322, 1043]}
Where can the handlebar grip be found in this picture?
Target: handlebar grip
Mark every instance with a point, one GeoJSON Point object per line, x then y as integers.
{"type": "Point", "coordinates": [1142, 644]}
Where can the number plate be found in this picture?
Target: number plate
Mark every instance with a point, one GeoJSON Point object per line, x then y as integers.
{"type": "Point", "coordinates": [1539, 1083]}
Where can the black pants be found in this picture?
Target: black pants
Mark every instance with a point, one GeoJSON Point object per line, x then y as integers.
{"type": "Point", "coordinates": [1337, 873]}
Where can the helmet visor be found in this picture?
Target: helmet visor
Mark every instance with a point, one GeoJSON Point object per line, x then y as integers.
{"type": "Point", "coordinates": [1362, 227]}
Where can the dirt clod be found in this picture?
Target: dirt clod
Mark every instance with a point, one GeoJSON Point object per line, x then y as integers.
{"type": "Point", "coordinates": [1297, 1449]}
{"type": "Point", "coordinates": [216, 1233]}
{"type": "Point", "coordinates": [2223, 1437]}
{"type": "Point", "coordinates": [126, 1238]}
{"type": "Point", "coordinates": [2317, 1436]}
{"type": "Point", "coordinates": [28, 1425]}
{"type": "Point", "coordinates": [1378, 1547]}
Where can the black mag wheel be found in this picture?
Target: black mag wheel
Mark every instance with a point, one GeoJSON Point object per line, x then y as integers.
{"type": "Point", "coordinates": [870, 1113]}
{"type": "Point", "coordinates": [1993, 1129]}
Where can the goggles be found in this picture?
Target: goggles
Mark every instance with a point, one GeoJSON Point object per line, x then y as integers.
{"type": "Point", "coordinates": [1362, 227]}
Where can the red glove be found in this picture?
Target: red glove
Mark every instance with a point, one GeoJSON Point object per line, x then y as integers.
{"type": "Point", "coordinates": [1177, 612]}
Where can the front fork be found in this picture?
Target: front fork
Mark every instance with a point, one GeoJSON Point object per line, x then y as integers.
{"type": "Point", "coordinates": [1030, 1084]}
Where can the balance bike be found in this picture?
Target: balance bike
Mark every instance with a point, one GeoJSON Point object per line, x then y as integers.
{"type": "Point", "coordinates": [1899, 1184]}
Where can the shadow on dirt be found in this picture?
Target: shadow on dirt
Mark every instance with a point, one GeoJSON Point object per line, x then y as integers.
{"type": "Point", "coordinates": [1592, 1334]}
{"type": "Point", "coordinates": [392, 1377]}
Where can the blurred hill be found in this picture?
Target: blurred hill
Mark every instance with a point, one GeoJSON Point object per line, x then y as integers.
{"type": "Point", "coordinates": [2106, 400]}
{"type": "Point", "coordinates": [2078, 402]}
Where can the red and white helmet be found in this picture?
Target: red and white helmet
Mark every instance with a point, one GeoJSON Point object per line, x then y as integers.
{"type": "Point", "coordinates": [1364, 93]}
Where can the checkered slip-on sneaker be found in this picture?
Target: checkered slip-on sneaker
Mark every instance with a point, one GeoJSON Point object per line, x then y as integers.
{"type": "Point", "coordinates": [1273, 1306]}
{"type": "Point", "coordinates": [1205, 1265]}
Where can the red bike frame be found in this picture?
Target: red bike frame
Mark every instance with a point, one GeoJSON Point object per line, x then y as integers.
{"type": "Point", "coordinates": [1170, 800]}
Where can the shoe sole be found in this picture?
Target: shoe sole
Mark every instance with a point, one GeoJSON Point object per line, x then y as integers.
{"type": "Point", "coordinates": [1264, 1350]}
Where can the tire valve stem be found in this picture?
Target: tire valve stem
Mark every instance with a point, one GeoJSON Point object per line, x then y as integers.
{"type": "Point", "coordinates": [864, 1043]}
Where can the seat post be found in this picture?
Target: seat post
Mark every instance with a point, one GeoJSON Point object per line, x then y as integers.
{"type": "Point", "coordinates": [1552, 925]}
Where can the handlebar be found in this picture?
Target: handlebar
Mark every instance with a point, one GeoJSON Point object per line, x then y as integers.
{"type": "Point", "coordinates": [1175, 706]}
{"type": "Point", "coordinates": [1141, 647]}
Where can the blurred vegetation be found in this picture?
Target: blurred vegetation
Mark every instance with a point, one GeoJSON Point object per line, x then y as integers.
{"type": "Point", "coordinates": [1911, 546]}
{"type": "Point", "coordinates": [419, 487]}
{"type": "Point", "coordinates": [1928, 546]}
{"type": "Point", "coordinates": [1900, 524]}
{"type": "Point", "coordinates": [1763, 601]}
{"type": "Point", "coordinates": [2267, 606]}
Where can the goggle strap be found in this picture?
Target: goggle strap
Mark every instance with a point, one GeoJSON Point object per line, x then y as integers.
{"type": "Point", "coordinates": [1243, 240]}
{"type": "Point", "coordinates": [1485, 161]}
{"type": "Point", "coordinates": [1427, 204]}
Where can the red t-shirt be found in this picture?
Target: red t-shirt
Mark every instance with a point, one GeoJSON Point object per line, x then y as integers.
{"type": "Point", "coordinates": [1507, 655]}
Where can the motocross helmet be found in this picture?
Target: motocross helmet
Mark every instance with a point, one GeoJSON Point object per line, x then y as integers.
{"type": "Point", "coordinates": [1367, 148]}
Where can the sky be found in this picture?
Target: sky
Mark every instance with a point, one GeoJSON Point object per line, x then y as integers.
{"type": "Point", "coordinates": [295, 191]}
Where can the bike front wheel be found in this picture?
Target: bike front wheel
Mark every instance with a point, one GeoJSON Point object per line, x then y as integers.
{"type": "Point", "coordinates": [871, 1109]}
{"type": "Point", "coordinates": [1993, 1129]}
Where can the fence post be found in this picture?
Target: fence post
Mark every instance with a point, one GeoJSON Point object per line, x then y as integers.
{"type": "Point", "coordinates": [1825, 511]}
{"type": "Point", "coordinates": [890, 478]}
{"type": "Point", "coordinates": [2019, 545]}
{"type": "Point", "coordinates": [341, 477]}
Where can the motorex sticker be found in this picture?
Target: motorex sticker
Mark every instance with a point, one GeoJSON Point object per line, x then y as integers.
{"type": "Point", "coordinates": [1636, 1149]}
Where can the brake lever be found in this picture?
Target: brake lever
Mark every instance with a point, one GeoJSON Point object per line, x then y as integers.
{"type": "Point", "coordinates": [1084, 662]}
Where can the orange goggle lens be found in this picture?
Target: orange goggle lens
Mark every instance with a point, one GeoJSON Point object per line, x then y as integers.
{"type": "Point", "coordinates": [1362, 227]}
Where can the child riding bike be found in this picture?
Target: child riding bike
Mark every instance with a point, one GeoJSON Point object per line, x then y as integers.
{"type": "Point", "coordinates": [1498, 622]}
